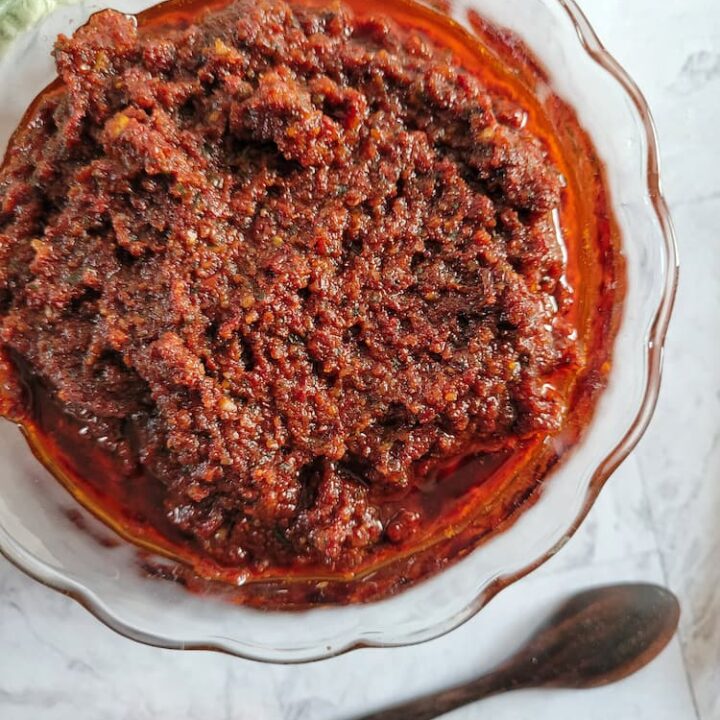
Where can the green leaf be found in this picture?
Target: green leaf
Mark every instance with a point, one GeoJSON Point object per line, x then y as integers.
{"type": "Point", "coordinates": [19, 15]}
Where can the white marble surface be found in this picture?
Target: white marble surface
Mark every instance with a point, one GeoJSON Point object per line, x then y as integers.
{"type": "Point", "coordinates": [658, 518]}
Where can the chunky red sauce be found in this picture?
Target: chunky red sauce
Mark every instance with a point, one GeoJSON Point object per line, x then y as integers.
{"type": "Point", "coordinates": [285, 293]}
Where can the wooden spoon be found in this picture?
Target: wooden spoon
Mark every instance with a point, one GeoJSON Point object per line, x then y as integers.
{"type": "Point", "coordinates": [597, 637]}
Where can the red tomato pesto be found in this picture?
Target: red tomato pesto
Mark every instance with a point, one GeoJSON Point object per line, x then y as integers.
{"type": "Point", "coordinates": [284, 290]}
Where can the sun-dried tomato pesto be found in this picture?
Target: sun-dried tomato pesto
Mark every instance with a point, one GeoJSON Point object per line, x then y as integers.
{"type": "Point", "coordinates": [285, 262]}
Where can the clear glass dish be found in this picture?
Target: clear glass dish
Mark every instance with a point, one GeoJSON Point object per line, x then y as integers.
{"type": "Point", "coordinates": [48, 535]}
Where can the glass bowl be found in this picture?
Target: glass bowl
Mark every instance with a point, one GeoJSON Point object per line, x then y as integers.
{"type": "Point", "coordinates": [48, 535]}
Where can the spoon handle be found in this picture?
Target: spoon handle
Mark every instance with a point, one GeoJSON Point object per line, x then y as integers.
{"type": "Point", "coordinates": [437, 704]}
